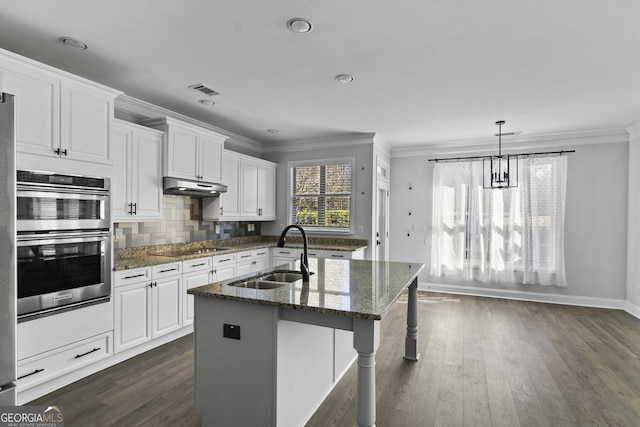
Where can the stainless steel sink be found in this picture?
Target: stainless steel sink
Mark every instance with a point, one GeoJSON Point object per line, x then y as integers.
{"type": "Point", "coordinates": [283, 276]}
{"type": "Point", "coordinates": [272, 280]}
{"type": "Point", "coordinates": [258, 284]}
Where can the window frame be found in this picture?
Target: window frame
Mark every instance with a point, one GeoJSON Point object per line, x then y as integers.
{"type": "Point", "coordinates": [322, 162]}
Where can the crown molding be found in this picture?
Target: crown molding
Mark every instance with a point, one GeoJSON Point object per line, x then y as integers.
{"type": "Point", "coordinates": [139, 111]}
{"type": "Point", "coordinates": [517, 142]}
{"type": "Point", "coordinates": [342, 141]}
{"type": "Point", "coordinates": [634, 132]}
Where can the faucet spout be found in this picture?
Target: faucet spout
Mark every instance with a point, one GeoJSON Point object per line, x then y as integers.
{"type": "Point", "coordinates": [304, 257]}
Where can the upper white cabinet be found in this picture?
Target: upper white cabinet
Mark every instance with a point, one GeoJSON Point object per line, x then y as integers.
{"type": "Point", "coordinates": [251, 194]}
{"type": "Point", "coordinates": [136, 185]}
{"type": "Point", "coordinates": [57, 114]}
{"type": "Point", "coordinates": [190, 152]}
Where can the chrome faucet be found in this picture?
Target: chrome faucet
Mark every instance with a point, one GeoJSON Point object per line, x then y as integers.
{"type": "Point", "coordinates": [304, 258]}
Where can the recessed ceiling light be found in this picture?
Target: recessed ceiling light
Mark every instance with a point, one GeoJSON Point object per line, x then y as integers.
{"type": "Point", "coordinates": [206, 102]}
{"type": "Point", "coordinates": [299, 25]}
{"type": "Point", "coordinates": [272, 130]}
{"type": "Point", "coordinates": [344, 78]}
{"type": "Point", "coordinates": [73, 43]}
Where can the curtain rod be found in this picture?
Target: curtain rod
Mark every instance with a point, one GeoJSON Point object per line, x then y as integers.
{"type": "Point", "coordinates": [449, 159]}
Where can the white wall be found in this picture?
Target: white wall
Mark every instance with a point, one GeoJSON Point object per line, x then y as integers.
{"type": "Point", "coordinates": [633, 233]}
{"type": "Point", "coordinates": [360, 149]}
{"type": "Point", "coordinates": [595, 227]}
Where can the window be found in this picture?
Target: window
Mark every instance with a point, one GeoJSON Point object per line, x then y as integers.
{"type": "Point", "coordinates": [321, 195]}
{"type": "Point", "coordinates": [513, 235]}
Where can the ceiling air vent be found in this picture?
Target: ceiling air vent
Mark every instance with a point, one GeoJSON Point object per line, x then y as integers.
{"type": "Point", "coordinates": [204, 89]}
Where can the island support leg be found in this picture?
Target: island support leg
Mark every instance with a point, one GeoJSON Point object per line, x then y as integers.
{"type": "Point", "coordinates": [411, 340]}
{"type": "Point", "coordinates": [366, 339]}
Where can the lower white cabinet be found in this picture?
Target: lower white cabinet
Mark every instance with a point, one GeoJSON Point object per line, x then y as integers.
{"type": "Point", "coordinates": [147, 309]}
{"type": "Point", "coordinates": [252, 261]}
{"type": "Point", "coordinates": [35, 370]}
{"type": "Point", "coordinates": [202, 271]}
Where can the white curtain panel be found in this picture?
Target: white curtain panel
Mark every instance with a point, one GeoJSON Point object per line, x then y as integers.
{"type": "Point", "coordinates": [513, 235]}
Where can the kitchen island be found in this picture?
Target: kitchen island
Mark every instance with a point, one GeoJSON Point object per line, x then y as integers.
{"type": "Point", "coordinates": [269, 357]}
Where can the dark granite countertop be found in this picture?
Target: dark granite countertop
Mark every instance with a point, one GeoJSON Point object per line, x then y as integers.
{"type": "Point", "coordinates": [354, 288]}
{"type": "Point", "coordinates": [146, 256]}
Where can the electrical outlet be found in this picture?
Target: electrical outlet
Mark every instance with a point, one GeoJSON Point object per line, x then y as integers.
{"type": "Point", "coordinates": [217, 229]}
{"type": "Point", "coordinates": [360, 229]}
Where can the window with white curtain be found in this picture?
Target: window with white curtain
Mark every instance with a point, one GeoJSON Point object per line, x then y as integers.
{"type": "Point", "coordinates": [513, 235]}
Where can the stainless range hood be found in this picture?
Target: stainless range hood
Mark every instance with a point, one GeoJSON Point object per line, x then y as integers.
{"type": "Point", "coordinates": [185, 187]}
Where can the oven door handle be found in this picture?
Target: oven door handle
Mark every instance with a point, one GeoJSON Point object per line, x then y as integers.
{"type": "Point", "coordinates": [58, 236]}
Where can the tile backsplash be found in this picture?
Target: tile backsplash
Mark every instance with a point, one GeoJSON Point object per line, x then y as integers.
{"type": "Point", "coordinates": [182, 222]}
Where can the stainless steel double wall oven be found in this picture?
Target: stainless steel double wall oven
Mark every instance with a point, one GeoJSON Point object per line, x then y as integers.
{"type": "Point", "coordinates": [63, 242]}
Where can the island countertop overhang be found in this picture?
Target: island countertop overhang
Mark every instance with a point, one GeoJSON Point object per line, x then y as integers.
{"type": "Point", "coordinates": [352, 288]}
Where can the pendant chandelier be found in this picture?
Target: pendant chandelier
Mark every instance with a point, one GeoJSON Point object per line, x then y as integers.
{"type": "Point", "coordinates": [500, 171]}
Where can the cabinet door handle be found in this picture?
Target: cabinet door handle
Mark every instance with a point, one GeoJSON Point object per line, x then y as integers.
{"type": "Point", "coordinates": [221, 211]}
{"type": "Point", "coordinates": [135, 209]}
{"type": "Point", "coordinates": [56, 151]}
{"type": "Point", "coordinates": [214, 271]}
{"type": "Point", "coordinates": [135, 275]}
{"type": "Point", "coordinates": [37, 371]}
{"type": "Point", "coordinates": [78, 356]}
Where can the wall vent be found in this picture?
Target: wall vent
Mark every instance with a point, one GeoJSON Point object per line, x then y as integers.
{"type": "Point", "coordinates": [204, 89]}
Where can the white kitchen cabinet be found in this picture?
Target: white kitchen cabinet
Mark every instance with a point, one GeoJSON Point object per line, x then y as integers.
{"type": "Point", "coordinates": [227, 205]}
{"type": "Point", "coordinates": [284, 255]}
{"type": "Point", "coordinates": [202, 271]}
{"type": "Point", "coordinates": [46, 366]}
{"type": "Point", "coordinates": [251, 195]}
{"type": "Point", "coordinates": [190, 152]}
{"type": "Point", "coordinates": [136, 185]}
{"type": "Point", "coordinates": [146, 309]}
{"type": "Point", "coordinates": [358, 254]}
{"type": "Point", "coordinates": [224, 267]}
{"type": "Point", "coordinates": [258, 190]}
{"type": "Point", "coordinates": [195, 272]}
{"type": "Point", "coordinates": [252, 261]}
{"type": "Point", "coordinates": [58, 114]}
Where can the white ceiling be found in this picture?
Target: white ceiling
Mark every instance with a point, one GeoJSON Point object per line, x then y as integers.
{"type": "Point", "coordinates": [425, 71]}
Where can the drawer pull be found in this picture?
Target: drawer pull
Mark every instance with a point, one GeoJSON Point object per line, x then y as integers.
{"type": "Point", "coordinates": [168, 270]}
{"type": "Point", "coordinates": [261, 253]}
{"type": "Point", "coordinates": [337, 256]}
{"type": "Point", "coordinates": [225, 260]}
{"type": "Point", "coordinates": [78, 356]}
{"type": "Point", "coordinates": [37, 371]}
{"type": "Point", "coordinates": [198, 265]}
{"type": "Point", "coordinates": [134, 276]}
{"type": "Point", "coordinates": [285, 252]}
{"type": "Point", "coordinates": [245, 256]}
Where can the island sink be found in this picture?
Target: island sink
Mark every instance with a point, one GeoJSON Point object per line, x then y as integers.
{"type": "Point", "coordinates": [272, 280]}
{"type": "Point", "coordinates": [259, 284]}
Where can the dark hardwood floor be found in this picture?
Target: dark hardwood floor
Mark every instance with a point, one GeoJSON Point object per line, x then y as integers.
{"type": "Point", "coordinates": [484, 362]}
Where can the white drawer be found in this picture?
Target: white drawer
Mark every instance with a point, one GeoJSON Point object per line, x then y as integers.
{"type": "Point", "coordinates": [285, 252]}
{"type": "Point", "coordinates": [337, 254]}
{"type": "Point", "coordinates": [313, 253]}
{"type": "Point", "coordinates": [166, 270]}
{"type": "Point", "coordinates": [221, 260]}
{"type": "Point", "coordinates": [134, 275]}
{"type": "Point", "coordinates": [244, 256]}
{"type": "Point", "coordinates": [260, 253]}
{"type": "Point", "coordinates": [197, 264]}
{"type": "Point", "coordinates": [36, 370]}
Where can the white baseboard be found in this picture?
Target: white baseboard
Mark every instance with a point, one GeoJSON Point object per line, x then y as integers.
{"type": "Point", "coordinates": [529, 296]}
{"type": "Point", "coordinates": [632, 309]}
